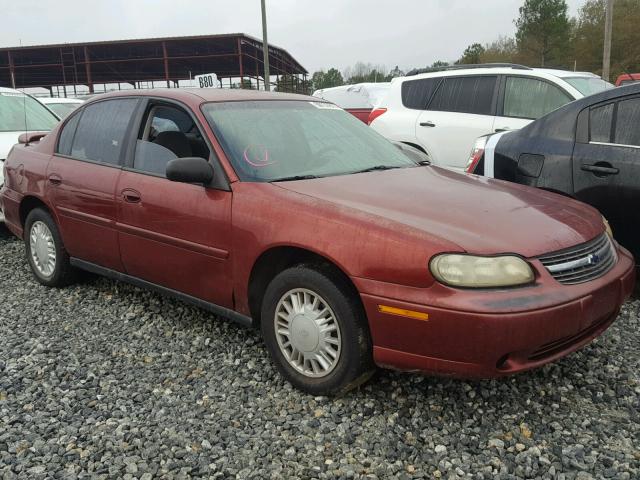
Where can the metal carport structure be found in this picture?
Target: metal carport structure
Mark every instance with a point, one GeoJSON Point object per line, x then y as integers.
{"type": "Point", "coordinates": [66, 66]}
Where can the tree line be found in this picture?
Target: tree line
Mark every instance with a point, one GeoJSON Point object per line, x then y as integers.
{"type": "Point", "coordinates": [546, 36]}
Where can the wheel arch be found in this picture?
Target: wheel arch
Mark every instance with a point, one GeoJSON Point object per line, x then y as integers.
{"type": "Point", "coordinates": [277, 259]}
{"type": "Point", "coordinates": [30, 202]}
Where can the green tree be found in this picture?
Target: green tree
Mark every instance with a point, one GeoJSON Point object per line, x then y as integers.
{"type": "Point", "coordinates": [328, 79]}
{"type": "Point", "coordinates": [588, 37]}
{"type": "Point", "coordinates": [472, 54]}
{"type": "Point", "coordinates": [333, 78]}
{"type": "Point", "coordinates": [439, 64]}
{"type": "Point", "coordinates": [543, 33]}
{"type": "Point", "coordinates": [503, 50]}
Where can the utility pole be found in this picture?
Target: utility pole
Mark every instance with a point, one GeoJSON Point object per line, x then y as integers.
{"type": "Point", "coordinates": [265, 48]}
{"type": "Point", "coordinates": [608, 26]}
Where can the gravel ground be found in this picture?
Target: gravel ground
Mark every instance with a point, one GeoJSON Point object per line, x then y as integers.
{"type": "Point", "coordinates": [104, 380]}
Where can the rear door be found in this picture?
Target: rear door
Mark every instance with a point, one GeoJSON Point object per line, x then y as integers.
{"type": "Point", "coordinates": [82, 177]}
{"type": "Point", "coordinates": [606, 166]}
{"type": "Point", "coordinates": [173, 234]}
{"type": "Point", "coordinates": [524, 99]}
{"type": "Point", "coordinates": [461, 110]}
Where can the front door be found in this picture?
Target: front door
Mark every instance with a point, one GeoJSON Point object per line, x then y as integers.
{"type": "Point", "coordinates": [82, 177]}
{"type": "Point", "coordinates": [462, 109]}
{"type": "Point", "coordinates": [606, 168]}
{"type": "Point", "coordinates": [173, 234]}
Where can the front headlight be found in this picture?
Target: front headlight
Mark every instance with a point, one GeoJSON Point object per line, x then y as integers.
{"type": "Point", "coordinates": [607, 227]}
{"type": "Point", "coordinates": [481, 272]}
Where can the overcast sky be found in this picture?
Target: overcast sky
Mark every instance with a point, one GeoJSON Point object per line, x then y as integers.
{"type": "Point", "coordinates": [319, 34]}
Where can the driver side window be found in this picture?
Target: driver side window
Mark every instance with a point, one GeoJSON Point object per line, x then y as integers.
{"type": "Point", "coordinates": [168, 132]}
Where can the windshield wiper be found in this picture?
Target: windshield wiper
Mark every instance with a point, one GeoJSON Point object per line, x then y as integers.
{"type": "Point", "coordinates": [377, 167]}
{"type": "Point", "coordinates": [295, 177]}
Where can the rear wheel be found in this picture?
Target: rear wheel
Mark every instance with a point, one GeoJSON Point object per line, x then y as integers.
{"type": "Point", "coordinates": [45, 251]}
{"type": "Point", "coordinates": [316, 331]}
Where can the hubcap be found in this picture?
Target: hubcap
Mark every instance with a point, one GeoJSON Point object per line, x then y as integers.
{"type": "Point", "coordinates": [308, 333]}
{"type": "Point", "coordinates": [43, 249]}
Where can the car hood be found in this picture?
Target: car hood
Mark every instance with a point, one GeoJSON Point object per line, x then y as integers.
{"type": "Point", "coordinates": [480, 215]}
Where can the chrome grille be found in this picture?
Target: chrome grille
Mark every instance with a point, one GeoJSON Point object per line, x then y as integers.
{"type": "Point", "coordinates": [583, 262]}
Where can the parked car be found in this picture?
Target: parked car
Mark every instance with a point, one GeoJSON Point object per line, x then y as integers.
{"type": "Point", "coordinates": [283, 211]}
{"type": "Point", "coordinates": [627, 79]}
{"type": "Point", "coordinates": [442, 111]}
{"type": "Point", "coordinates": [20, 113]}
{"type": "Point", "coordinates": [588, 150]}
{"type": "Point", "coordinates": [62, 107]}
{"type": "Point", "coordinates": [358, 99]}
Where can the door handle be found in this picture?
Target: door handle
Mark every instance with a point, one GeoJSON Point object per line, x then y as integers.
{"type": "Point", "coordinates": [131, 196]}
{"type": "Point", "coordinates": [55, 179]}
{"type": "Point", "coordinates": [427, 124]}
{"type": "Point", "coordinates": [601, 169]}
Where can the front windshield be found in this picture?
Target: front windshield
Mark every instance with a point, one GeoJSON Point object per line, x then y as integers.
{"type": "Point", "coordinates": [588, 85]}
{"type": "Point", "coordinates": [276, 140]}
{"type": "Point", "coordinates": [63, 109]}
{"type": "Point", "coordinates": [16, 108]}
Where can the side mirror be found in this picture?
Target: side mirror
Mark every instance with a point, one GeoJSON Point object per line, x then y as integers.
{"type": "Point", "coordinates": [27, 138]}
{"type": "Point", "coordinates": [189, 170]}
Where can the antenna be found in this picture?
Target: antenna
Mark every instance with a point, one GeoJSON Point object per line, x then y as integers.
{"type": "Point", "coordinates": [24, 109]}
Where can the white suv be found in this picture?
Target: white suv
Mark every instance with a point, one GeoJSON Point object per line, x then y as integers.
{"type": "Point", "coordinates": [444, 111]}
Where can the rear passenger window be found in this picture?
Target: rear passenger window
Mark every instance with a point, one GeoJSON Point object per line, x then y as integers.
{"type": "Point", "coordinates": [600, 119]}
{"type": "Point", "coordinates": [531, 98]}
{"type": "Point", "coordinates": [628, 123]}
{"type": "Point", "coordinates": [417, 93]}
{"type": "Point", "coordinates": [465, 95]}
{"type": "Point", "coordinates": [101, 131]}
{"type": "Point", "coordinates": [66, 136]}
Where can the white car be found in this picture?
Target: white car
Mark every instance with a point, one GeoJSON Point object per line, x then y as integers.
{"type": "Point", "coordinates": [358, 99]}
{"type": "Point", "coordinates": [443, 112]}
{"type": "Point", "coordinates": [62, 107]}
{"type": "Point", "coordinates": [20, 113]}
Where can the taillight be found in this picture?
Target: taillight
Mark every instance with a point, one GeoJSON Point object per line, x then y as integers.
{"type": "Point", "coordinates": [375, 113]}
{"type": "Point", "coordinates": [476, 154]}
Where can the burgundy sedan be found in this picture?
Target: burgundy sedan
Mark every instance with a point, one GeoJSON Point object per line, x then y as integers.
{"type": "Point", "coordinates": [285, 212]}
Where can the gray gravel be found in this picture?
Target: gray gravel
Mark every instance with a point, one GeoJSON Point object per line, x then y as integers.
{"type": "Point", "coordinates": [103, 380]}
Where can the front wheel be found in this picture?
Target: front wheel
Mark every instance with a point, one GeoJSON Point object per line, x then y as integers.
{"type": "Point", "coordinates": [316, 331]}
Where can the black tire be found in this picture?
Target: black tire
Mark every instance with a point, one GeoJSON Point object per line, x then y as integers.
{"type": "Point", "coordinates": [63, 273]}
{"type": "Point", "coordinates": [354, 365]}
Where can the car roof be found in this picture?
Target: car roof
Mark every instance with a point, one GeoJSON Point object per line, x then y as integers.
{"type": "Point", "coordinates": [203, 95]}
{"type": "Point", "coordinates": [59, 100]}
{"type": "Point", "coordinates": [9, 90]}
{"type": "Point", "coordinates": [565, 73]}
{"type": "Point", "coordinates": [355, 87]}
{"type": "Point", "coordinates": [479, 70]}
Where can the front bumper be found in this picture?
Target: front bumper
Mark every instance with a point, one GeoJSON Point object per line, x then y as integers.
{"type": "Point", "coordinates": [474, 333]}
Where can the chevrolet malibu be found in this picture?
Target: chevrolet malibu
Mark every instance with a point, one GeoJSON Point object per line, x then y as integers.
{"type": "Point", "coordinates": [284, 212]}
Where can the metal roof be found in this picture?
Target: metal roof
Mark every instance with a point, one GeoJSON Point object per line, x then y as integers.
{"type": "Point", "coordinates": [231, 55]}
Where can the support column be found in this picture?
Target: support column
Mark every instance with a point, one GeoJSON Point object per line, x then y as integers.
{"type": "Point", "coordinates": [87, 68]}
{"type": "Point", "coordinates": [12, 70]}
{"type": "Point", "coordinates": [240, 62]}
{"type": "Point", "coordinates": [64, 75]}
{"type": "Point", "coordinates": [165, 59]}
